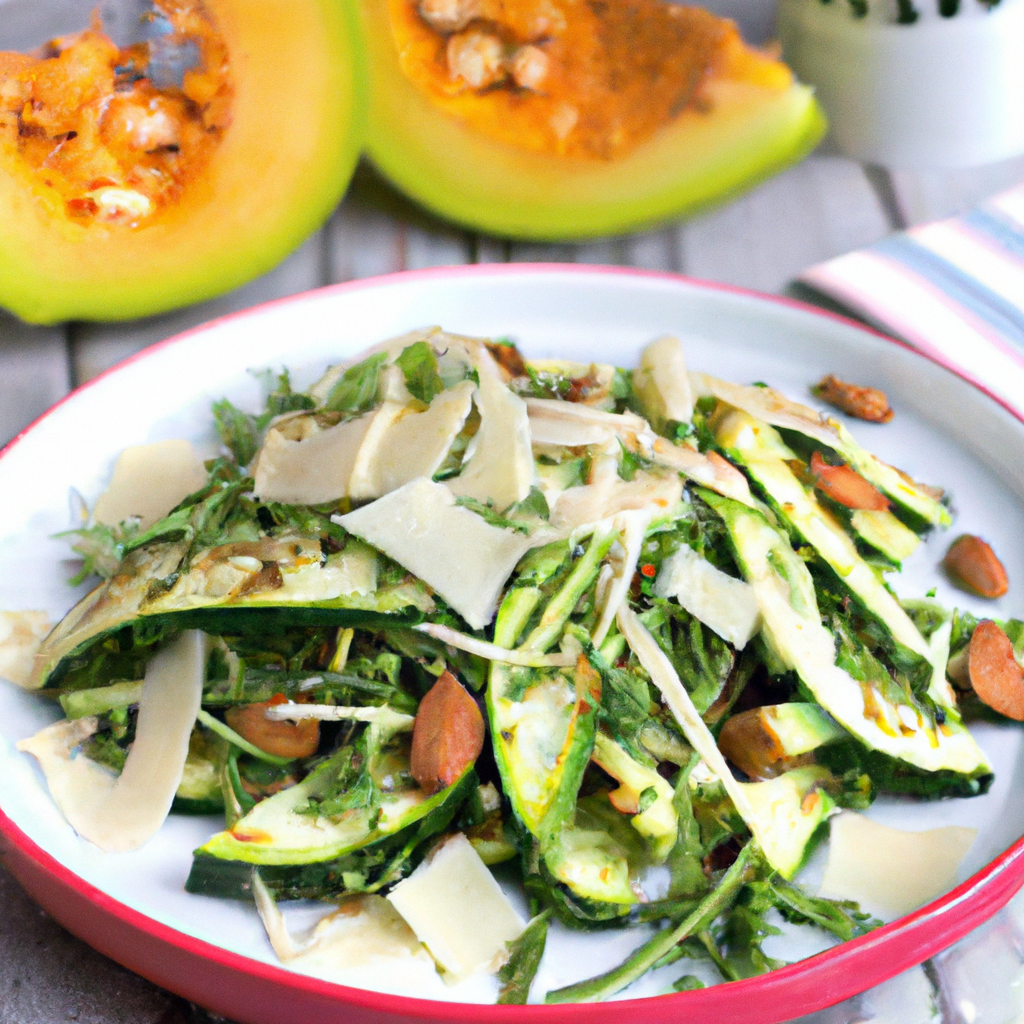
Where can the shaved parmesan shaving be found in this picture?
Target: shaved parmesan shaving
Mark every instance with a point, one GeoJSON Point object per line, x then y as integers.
{"type": "Point", "coordinates": [727, 605]}
{"type": "Point", "coordinates": [389, 720]}
{"type": "Point", "coordinates": [771, 834]}
{"type": "Point", "coordinates": [121, 813]}
{"type": "Point", "coordinates": [313, 470]}
{"type": "Point", "coordinates": [457, 910]}
{"type": "Point", "coordinates": [492, 652]}
{"type": "Point", "coordinates": [450, 548]}
{"type": "Point", "coordinates": [412, 444]}
{"type": "Point", "coordinates": [773, 407]}
{"type": "Point", "coordinates": [664, 677]}
{"type": "Point", "coordinates": [451, 349]}
{"type": "Point", "coordinates": [609, 495]}
{"type": "Point", "coordinates": [631, 526]}
{"type": "Point", "coordinates": [769, 405]}
{"type": "Point", "coordinates": [890, 870]}
{"type": "Point", "coordinates": [363, 929]}
{"type": "Point", "coordinates": [148, 481]}
{"type": "Point", "coordinates": [500, 469]}
{"type": "Point", "coordinates": [662, 383]}
{"type": "Point", "coordinates": [711, 471]}
{"type": "Point", "coordinates": [21, 635]}
{"type": "Point", "coordinates": [573, 424]}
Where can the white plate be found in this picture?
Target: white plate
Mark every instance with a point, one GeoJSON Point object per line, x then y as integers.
{"type": "Point", "coordinates": [945, 432]}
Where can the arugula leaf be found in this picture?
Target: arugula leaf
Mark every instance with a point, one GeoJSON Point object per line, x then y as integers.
{"type": "Point", "coordinates": [239, 432]}
{"type": "Point", "coordinates": [702, 658]}
{"type": "Point", "coordinates": [491, 516]}
{"type": "Point", "coordinates": [101, 547]}
{"type": "Point", "coordinates": [687, 983]}
{"type": "Point", "coordinates": [534, 504]}
{"type": "Point", "coordinates": [744, 930]}
{"type": "Point", "coordinates": [281, 398]}
{"type": "Point", "coordinates": [843, 918]}
{"type": "Point", "coordinates": [419, 364]}
{"type": "Point", "coordinates": [356, 392]}
{"type": "Point", "coordinates": [686, 860]}
{"type": "Point", "coordinates": [524, 955]}
{"type": "Point", "coordinates": [631, 463]}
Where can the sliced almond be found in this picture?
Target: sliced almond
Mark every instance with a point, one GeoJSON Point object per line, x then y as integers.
{"type": "Point", "coordinates": [994, 673]}
{"type": "Point", "coordinates": [447, 736]}
{"type": "Point", "coordinates": [973, 564]}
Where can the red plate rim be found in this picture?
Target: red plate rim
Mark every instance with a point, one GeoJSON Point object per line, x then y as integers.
{"type": "Point", "coordinates": [238, 986]}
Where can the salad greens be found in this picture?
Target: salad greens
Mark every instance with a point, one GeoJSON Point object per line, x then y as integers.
{"type": "Point", "coordinates": [687, 657]}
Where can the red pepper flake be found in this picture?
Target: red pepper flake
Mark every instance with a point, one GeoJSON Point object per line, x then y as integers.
{"type": "Point", "coordinates": [648, 570]}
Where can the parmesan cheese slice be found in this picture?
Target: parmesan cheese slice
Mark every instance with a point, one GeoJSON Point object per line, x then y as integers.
{"type": "Point", "coordinates": [608, 496]}
{"type": "Point", "coordinates": [121, 813]}
{"type": "Point", "coordinates": [21, 635]}
{"type": "Point", "coordinates": [662, 383]}
{"type": "Point", "coordinates": [410, 444]}
{"type": "Point", "coordinates": [458, 911]}
{"type": "Point", "coordinates": [727, 605]}
{"type": "Point", "coordinates": [500, 469]}
{"type": "Point", "coordinates": [313, 470]}
{"type": "Point", "coordinates": [711, 471]}
{"type": "Point", "coordinates": [148, 481]}
{"type": "Point", "coordinates": [553, 421]}
{"type": "Point", "coordinates": [363, 929]}
{"type": "Point", "coordinates": [888, 870]}
{"type": "Point", "coordinates": [453, 550]}
{"type": "Point", "coordinates": [632, 527]}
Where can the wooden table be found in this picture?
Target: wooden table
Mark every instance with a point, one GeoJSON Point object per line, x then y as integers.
{"type": "Point", "coordinates": [825, 206]}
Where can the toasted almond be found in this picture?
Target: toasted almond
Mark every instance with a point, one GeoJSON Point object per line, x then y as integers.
{"type": "Point", "coordinates": [847, 486]}
{"type": "Point", "coordinates": [865, 403]}
{"type": "Point", "coordinates": [996, 677]}
{"type": "Point", "coordinates": [973, 564]}
{"type": "Point", "coordinates": [447, 736]}
{"type": "Point", "coordinates": [282, 739]}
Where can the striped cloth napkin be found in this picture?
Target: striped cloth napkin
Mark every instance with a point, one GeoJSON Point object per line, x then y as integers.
{"type": "Point", "coordinates": [953, 289]}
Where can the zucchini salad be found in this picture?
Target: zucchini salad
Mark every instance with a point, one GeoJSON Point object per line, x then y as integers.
{"type": "Point", "coordinates": [467, 647]}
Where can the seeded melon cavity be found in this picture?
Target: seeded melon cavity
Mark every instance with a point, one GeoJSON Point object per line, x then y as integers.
{"type": "Point", "coordinates": [551, 119]}
{"type": "Point", "coordinates": [132, 184]}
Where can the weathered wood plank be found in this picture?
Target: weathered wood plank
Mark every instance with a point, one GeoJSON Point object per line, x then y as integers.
{"type": "Point", "coordinates": [376, 230]}
{"type": "Point", "coordinates": [34, 373]}
{"type": "Point", "coordinates": [820, 208]}
{"type": "Point", "coordinates": [931, 195]}
{"type": "Point", "coordinates": [96, 347]}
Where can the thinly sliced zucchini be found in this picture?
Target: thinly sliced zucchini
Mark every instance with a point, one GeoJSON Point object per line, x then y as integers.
{"type": "Point", "coordinates": [759, 448]}
{"type": "Point", "coordinates": [907, 730]}
{"type": "Point", "coordinates": [773, 407]}
{"type": "Point", "coordinates": [151, 588]}
{"type": "Point", "coordinates": [280, 830]}
{"type": "Point", "coordinates": [783, 814]}
{"type": "Point", "coordinates": [543, 726]}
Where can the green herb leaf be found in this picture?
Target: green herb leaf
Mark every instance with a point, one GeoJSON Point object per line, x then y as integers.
{"type": "Point", "coordinates": [687, 983]}
{"type": "Point", "coordinates": [101, 547]}
{"type": "Point", "coordinates": [524, 955]}
{"type": "Point", "coordinates": [356, 392]}
{"type": "Point", "coordinates": [491, 516]}
{"type": "Point", "coordinates": [419, 364]}
{"type": "Point", "coordinates": [534, 504]}
{"type": "Point", "coordinates": [281, 398]}
{"type": "Point", "coordinates": [239, 431]}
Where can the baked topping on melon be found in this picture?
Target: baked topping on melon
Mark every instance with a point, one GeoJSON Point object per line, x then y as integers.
{"type": "Point", "coordinates": [591, 80]}
{"type": "Point", "coordinates": [93, 130]}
